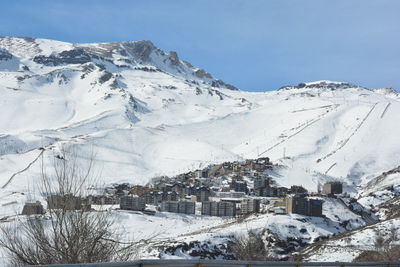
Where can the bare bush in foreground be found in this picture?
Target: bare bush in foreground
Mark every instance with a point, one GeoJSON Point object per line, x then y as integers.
{"type": "Point", "coordinates": [66, 234]}
{"type": "Point", "coordinates": [251, 247]}
{"type": "Point", "coordinates": [387, 247]}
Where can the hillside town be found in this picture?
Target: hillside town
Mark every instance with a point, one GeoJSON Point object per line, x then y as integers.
{"type": "Point", "coordinates": [228, 189]}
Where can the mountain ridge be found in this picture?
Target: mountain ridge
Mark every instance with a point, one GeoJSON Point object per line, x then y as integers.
{"type": "Point", "coordinates": [130, 53]}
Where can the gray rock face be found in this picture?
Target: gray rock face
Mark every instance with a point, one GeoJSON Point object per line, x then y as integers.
{"type": "Point", "coordinates": [75, 56]}
{"type": "Point", "coordinates": [5, 55]}
{"type": "Point", "coordinates": [141, 50]}
{"type": "Point", "coordinates": [321, 85]}
{"type": "Point", "coordinates": [390, 91]}
{"type": "Point", "coordinates": [105, 77]}
{"type": "Point", "coordinates": [173, 57]}
{"type": "Point", "coordinates": [219, 84]}
{"type": "Point", "coordinates": [202, 74]}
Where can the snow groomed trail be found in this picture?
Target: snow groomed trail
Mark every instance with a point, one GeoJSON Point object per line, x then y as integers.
{"type": "Point", "coordinates": [385, 110]}
{"type": "Point", "coordinates": [351, 135]}
{"type": "Point", "coordinates": [23, 170]}
{"type": "Point", "coordinates": [307, 124]}
{"type": "Point", "coordinates": [330, 168]}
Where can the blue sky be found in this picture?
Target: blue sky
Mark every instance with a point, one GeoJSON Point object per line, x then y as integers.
{"type": "Point", "coordinates": [256, 45]}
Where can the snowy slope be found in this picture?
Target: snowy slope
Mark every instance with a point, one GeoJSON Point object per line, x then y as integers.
{"type": "Point", "coordinates": [349, 245]}
{"type": "Point", "coordinates": [144, 112]}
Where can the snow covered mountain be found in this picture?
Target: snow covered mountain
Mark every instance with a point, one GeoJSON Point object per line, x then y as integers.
{"type": "Point", "coordinates": [145, 112]}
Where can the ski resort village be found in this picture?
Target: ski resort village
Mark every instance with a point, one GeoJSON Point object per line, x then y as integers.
{"type": "Point", "coordinates": [187, 166]}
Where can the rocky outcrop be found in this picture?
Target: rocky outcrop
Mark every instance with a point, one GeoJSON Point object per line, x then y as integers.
{"type": "Point", "coordinates": [75, 56]}
{"type": "Point", "coordinates": [321, 85]}
{"type": "Point", "coordinates": [5, 55]}
{"type": "Point", "coordinates": [219, 84]}
{"type": "Point", "coordinates": [205, 250]}
{"type": "Point", "coordinates": [173, 57]}
{"type": "Point", "coordinates": [200, 73]}
{"type": "Point", "coordinates": [377, 180]}
{"type": "Point", "coordinates": [140, 50]}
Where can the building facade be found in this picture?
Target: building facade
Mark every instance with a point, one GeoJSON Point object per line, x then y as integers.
{"type": "Point", "coordinates": [186, 207]}
{"type": "Point", "coordinates": [332, 188]}
{"type": "Point", "coordinates": [33, 208]}
{"type": "Point", "coordinates": [132, 203]}
{"type": "Point", "coordinates": [213, 208]}
{"type": "Point", "coordinates": [304, 206]}
{"type": "Point", "coordinates": [250, 205]}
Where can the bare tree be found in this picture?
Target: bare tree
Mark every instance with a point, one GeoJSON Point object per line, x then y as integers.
{"type": "Point", "coordinates": [251, 246]}
{"type": "Point", "coordinates": [68, 233]}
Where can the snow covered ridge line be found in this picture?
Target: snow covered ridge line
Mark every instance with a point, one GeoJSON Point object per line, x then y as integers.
{"type": "Point", "coordinates": [333, 85]}
{"type": "Point", "coordinates": [322, 85]}
{"type": "Point", "coordinates": [121, 54]}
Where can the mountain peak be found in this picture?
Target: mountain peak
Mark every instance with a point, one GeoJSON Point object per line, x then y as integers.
{"type": "Point", "coordinates": [48, 53]}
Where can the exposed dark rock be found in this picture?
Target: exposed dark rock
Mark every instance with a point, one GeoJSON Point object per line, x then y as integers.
{"type": "Point", "coordinates": [321, 85]}
{"type": "Point", "coordinates": [140, 50]}
{"type": "Point", "coordinates": [137, 105]}
{"type": "Point", "coordinates": [87, 69]}
{"type": "Point", "coordinates": [187, 64]}
{"type": "Point", "coordinates": [107, 96]}
{"type": "Point", "coordinates": [134, 105]}
{"type": "Point", "coordinates": [62, 78]}
{"type": "Point", "coordinates": [301, 85]}
{"type": "Point", "coordinates": [101, 66]}
{"type": "Point", "coordinates": [29, 39]}
{"type": "Point", "coordinates": [219, 83]}
{"type": "Point", "coordinates": [123, 53]}
{"type": "Point", "coordinates": [148, 69]}
{"type": "Point", "coordinates": [288, 246]}
{"type": "Point", "coordinates": [203, 74]}
{"type": "Point", "coordinates": [114, 84]}
{"type": "Point", "coordinates": [171, 87]}
{"type": "Point", "coordinates": [173, 57]}
{"type": "Point", "coordinates": [204, 250]}
{"type": "Point", "coordinates": [22, 78]}
{"type": "Point", "coordinates": [216, 92]}
{"type": "Point", "coordinates": [75, 56]}
{"type": "Point", "coordinates": [5, 55]}
{"type": "Point", "coordinates": [105, 77]}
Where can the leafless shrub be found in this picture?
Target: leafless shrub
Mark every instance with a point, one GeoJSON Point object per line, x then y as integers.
{"type": "Point", "coordinates": [251, 247]}
{"type": "Point", "coordinates": [242, 218]}
{"type": "Point", "coordinates": [65, 234]}
{"type": "Point", "coordinates": [387, 247]}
